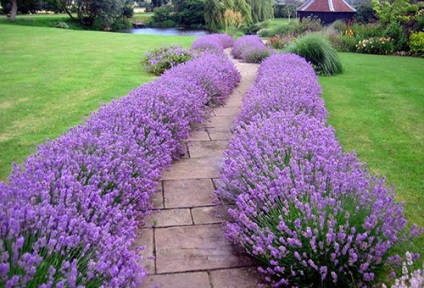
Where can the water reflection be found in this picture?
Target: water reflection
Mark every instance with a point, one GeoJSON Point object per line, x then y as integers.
{"type": "Point", "coordinates": [167, 31]}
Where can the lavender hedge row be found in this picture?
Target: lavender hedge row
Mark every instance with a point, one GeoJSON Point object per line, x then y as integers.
{"type": "Point", "coordinates": [251, 49]}
{"type": "Point", "coordinates": [310, 213]}
{"type": "Point", "coordinates": [214, 43]}
{"type": "Point", "coordinates": [70, 213]}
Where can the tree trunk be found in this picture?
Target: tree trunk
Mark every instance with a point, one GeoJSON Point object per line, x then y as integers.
{"type": "Point", "coordinates": [13, 10]}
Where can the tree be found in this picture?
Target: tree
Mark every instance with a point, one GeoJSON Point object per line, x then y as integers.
{"type": "Point", "coordinates": [13, 10]}
{"type": "Point", "coordinates": [215, 9]}
{"type": "Point", "coordinates": [393, 11]}
{"type": "Point", "coordinates": [190, 12]}
{"type": "Point", "coordinates": [106, 11]}
{"type": "Point", "coordinates": [12, 7]}
{"type": "Point", "coordinates": [261, 9]}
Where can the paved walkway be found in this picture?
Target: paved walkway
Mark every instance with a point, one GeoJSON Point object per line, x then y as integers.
{"type": "Point", "coordinates": [186, 247]}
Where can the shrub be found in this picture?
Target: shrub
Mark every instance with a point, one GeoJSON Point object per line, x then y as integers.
{"type": "Point", "coordinates": [215, 43]}
{"type": "Point", "coordinates": [297, 28]}
{"type": "Point", "coordinates": [376, 45]}
{"type": "Point", "coordinates": [251, 29]}
{"type": "Point", "coordinates": [311, 214]}
{"type": "Point", "coordinates": [207, 44]}
{"type": "Point", "coordinates": [242, 43]}
{"type": "Point", "coordinates": [281, 41]}
{"type": "Point", "coordinates": [256, 53]}
{"type": "Point", "coordinates": [214, 72]}
{"type": "Point", "coordinates": [62, 25]}
{"type": "Point", "coordinates": [226, 40]}
{"type": "Point", "coordinates": [70, 212]}
{"type": "Point", "coordinates": [317, 50]}
{"type": "Point", "coordinates": [161, 59]}
{"type": "Point", "coordinates": [364, 31]}
{"type": "Point", "coordinates": [395, 31]}
{"type": "Point", "coordinates": [297, 92]}
{"type": "Point", "coordinates": [416, 42]}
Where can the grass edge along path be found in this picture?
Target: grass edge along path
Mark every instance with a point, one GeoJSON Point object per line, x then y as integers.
{"type": "Point", "coordinates": [56, 77]}
{"type": "Point", "coordinates": [377, 109]}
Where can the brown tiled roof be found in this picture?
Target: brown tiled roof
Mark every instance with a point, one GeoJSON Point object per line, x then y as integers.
{"type": "Point", "coordinates": [326, 6]}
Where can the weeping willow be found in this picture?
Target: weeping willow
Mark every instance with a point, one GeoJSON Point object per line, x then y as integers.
{"type": "Point", "coordinates": [215, 9]}
{"type": "Point", "coordinates": [261, 9]}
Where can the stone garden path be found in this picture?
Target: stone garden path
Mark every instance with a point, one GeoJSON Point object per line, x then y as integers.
{"type": "Point", "coordinates": [186, 246]}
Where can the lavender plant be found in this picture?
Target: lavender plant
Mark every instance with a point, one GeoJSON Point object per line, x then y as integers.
{"type": "Point", "coordinates": [213, 43]}
{"type": "Point", "coordinates": [214, 72]}
{"type": "Point", "coordinates": [69, 214]}
{"type": "Point", "coordinates": [311, 214]}
{"type": "Point", "coordinates": [227, 41]}
{"type": "Point", "coordinates": [244, 43]}
{"type": "Point", "coordinates": [297, 90]}
{"type": "Point", "coordinates": [161, 59]}
{"type": "Point", "coordinates": [256, 53]}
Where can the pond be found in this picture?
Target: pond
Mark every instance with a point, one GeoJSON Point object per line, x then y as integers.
{"type": "Point", "coordinates": [168, 31]}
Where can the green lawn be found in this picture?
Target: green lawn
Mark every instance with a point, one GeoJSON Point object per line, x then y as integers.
{"type": "Point", "coordinates": [377, 109]}
{"type": "Point", "coordinates": [280, 21]}
{"type": "Point", "coordinates": [51, 78]}
{"type": "Point", "coordinates": [40, 20]}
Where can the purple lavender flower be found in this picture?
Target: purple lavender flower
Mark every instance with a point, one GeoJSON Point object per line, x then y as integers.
{"type": "Point", "coordinates": [69, 214]}
{"type": "Point", "coordinates": [309, 212]}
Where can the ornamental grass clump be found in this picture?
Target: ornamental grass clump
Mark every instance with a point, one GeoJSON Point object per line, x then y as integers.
{"type": "Point", "coordinates": [161, 59]}
{"type": "Point", "coordinates": [297, 91]}
{"type": "Point", "coordinates": [69, 214]}
{"type": "Point", "coordinates": [317, 50]}
{"type": "Point", "coordinates": [312, 215]}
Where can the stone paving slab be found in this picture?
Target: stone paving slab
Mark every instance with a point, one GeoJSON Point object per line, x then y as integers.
{"type": "Point", "coordinates": [199, 135]}
{"type": "Point", "coordinates": [157, 198]}
{"type": "Point", "coordinates": [227, 111]}
{"type": "Point", "coordinates": [209, 215]}
{"type": "Point", "coordinates": [233, 102]}
{"type": "Point", "coordinates": [218, 121]}
{"type": "Point", "coordinates": [235, 278]}
{"type": "Point", "coordinates": [169, 217]}
{"type": "Point", "coordinates": [188, 193]}
{"type": "Point", "coordinates": [145, 238]}
{"type": "Point", "coordinates": [207, 148]}
{"type": "Point", "coordinates": [220, 133]}
{"type": "Point", "coordinates": [180, 280]}
{"type": "Point", "coordinates": [194, 168]}
{"type": "Point", "coordinates": [199, 247]}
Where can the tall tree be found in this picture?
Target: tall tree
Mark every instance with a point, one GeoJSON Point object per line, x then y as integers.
{"type": "Point", "coordinates": [261, 9]}
{"type": "Point", "coordinates": [215, 9]}
{"type": "Point", "coordinates": [13, 10]}
{"type": "Point", "coordinates": [107, 11]}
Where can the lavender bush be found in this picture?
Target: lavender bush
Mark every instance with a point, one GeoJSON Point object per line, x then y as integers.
{"type": "Point", "coordinates": [297, 90]}
{"type": "Point", "coordinates": [214, 72]}
{"type": "Point", "coordinates": [227, 41]}
{"type": "Point", "coordinates": [69, 214]}
{"type": "Point", "coordinates": [256, 53]}
{"type": "Point", "coordinates": [164, 58]}
{"type": "Point", "coordinates": [213, 43]}
{"type": "Point", "coordinates": [310, 213]}
{"type": "Point", "coordinates": [250, 48]}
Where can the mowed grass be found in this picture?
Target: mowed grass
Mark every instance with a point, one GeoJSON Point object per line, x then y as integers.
{"type": "Point", "coordinates": [52, 78]}
{"type": "Point", "coordinates": [377, 109]}
{"type": "Point", "coordinates": [39, 20]}
{"type": "Point", "coordinates": [280, 21]}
